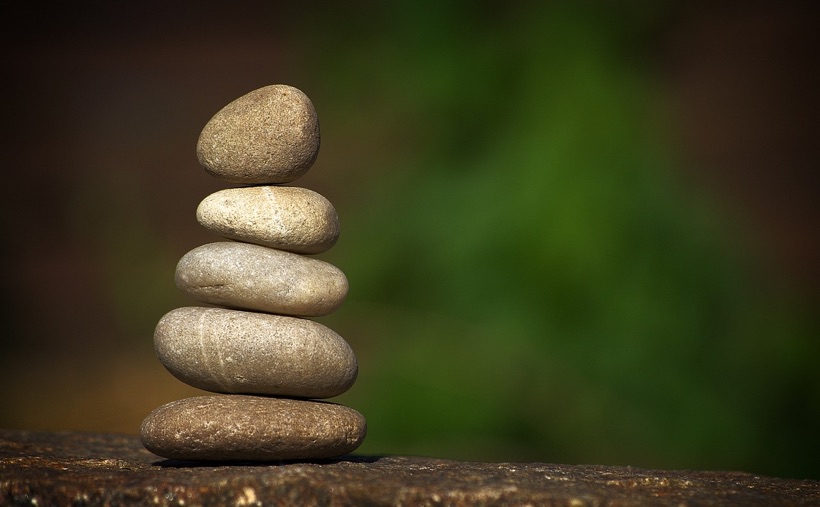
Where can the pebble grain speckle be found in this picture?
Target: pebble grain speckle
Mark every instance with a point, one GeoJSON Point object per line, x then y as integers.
{"type": "Point", "coordinates": [251, 277]}
{"type": "Point", "coordinates": [240, 427]}
{"type": "Point", "coordinates": [270, 135]}
{"type": "Point", "coordinates": [286, 218]}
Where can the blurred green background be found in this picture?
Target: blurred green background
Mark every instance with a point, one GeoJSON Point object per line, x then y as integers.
{"type": "Point", "coordinates": [575, 232]}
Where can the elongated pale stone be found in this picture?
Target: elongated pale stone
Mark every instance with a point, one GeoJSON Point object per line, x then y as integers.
{"type": "Point", "coordinates": [230, 351]}
{"type": "Point", "coordinates": [270, 135]}
{"type": "Point", "coordinates": [252, 277]}
{"type": "Point", "coordinates": [241, 427]}
{"type": "Point", "coordinates": [287, 218]}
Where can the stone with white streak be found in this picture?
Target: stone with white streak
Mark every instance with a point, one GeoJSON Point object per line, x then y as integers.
{"type": "Point", "coordinates": [287, 218]}
{"type": "Point", "coordinates": [230, 351]}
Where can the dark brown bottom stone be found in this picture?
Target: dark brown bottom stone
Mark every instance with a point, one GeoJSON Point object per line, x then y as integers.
{"type": "Point", "coordinates": [252, 428]}
{"type": "Point", "coordinates": [40, 468]}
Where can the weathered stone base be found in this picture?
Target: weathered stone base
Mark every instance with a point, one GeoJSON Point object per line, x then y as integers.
{"type": "Point", "coordinates": [40, 468]}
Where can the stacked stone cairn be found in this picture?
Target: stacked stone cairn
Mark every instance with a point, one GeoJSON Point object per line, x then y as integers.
{"type": "Point", "coordinates": [255, 344]}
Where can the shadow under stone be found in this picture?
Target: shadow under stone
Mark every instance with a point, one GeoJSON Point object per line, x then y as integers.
{"type": "Point", "coordinates": [173, 463]}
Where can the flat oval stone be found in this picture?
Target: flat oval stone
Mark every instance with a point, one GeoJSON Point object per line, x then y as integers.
{"type": "Point", "coordinates": [270, 135]}
{"type": "Point", "coordinates": [252, 428]}
{"type": "Point", "coordinates": [253, 277]}
{"type": "Point", "coordinates": [230, 351]}
{"type": "Point", "coordinates": [287, 218]}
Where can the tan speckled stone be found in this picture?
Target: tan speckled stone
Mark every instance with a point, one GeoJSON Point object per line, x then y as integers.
{"type": "Point", "coordinates": [230, 351]}
{"type": "Point", "coordinates": [270, 135]}
{"type": "Point", "coordinates": [252, 277]}
{"type": "Point", "coordinates": [241, 427]}
{"type": "Point", "coordinates": [287, 218]}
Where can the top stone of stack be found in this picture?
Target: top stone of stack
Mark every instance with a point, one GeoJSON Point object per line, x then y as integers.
{"type": "Point", "coordinates": [268, 136]}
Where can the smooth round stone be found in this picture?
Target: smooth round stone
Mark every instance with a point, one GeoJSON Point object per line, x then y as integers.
{"type": "Point", "coordinates": [287, 218]}
{"type": "Point", "coordinates": [253, 428]}
{"type": "Point", "coordinates": [270, 135]}
{"type": "Point", "coordinates": [253, 277]}
{"type": "Point", "coordinates": [230, 351]}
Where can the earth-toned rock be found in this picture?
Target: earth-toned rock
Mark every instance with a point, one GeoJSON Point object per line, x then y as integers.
{"type": "Point", "coordinates": [252, 277]}
{"type": "Point", "coordinates": [270, 135]}
{"type": "Point", "coordinates": [231, 351]}
{"type": "Point", "coordinates": [286, 218]}
{"type": "Point", "coordinates": [69, 468]}
{"type": "Point", "coordinates": [251, 428]}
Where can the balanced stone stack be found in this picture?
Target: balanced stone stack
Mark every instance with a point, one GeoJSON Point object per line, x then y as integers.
{"type": "Point", "coordinates": [255, 345]}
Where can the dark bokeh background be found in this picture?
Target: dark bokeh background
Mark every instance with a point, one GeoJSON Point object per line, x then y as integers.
{"type": "Point", "coordinates": [575, 232]}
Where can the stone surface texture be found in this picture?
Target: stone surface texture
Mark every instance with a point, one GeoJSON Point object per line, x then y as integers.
{"type": "Point", "coordinates": [251, 428]}
{"type": "Point", "coordinates": [252, 277]}
{"type": "Point", "coordinates": [270, 135]}
{"type": "Point", "coordinates": [229, 351]}
{"type": "Point", "coordinates": [103, 469]}
{"type": "Point", "coordinates": [286, 218]}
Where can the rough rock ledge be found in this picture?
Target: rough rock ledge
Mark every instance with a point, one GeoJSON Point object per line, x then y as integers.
{"type": "Point", "coordinates": [69, 468]}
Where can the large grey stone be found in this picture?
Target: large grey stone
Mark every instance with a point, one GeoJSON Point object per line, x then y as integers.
{"type": "Point", "coordinates": [252, 277]}
{"type": "Point", "coordinates": [230, 351]}
{"type": "Point", "coordinates": [270, 135]}
{"type": "Point", "coordinates": [46, 468]}
{"type": "Point", "coordinates": [251, 428]}
{"type": "Point", "coordinates": [287, 218]}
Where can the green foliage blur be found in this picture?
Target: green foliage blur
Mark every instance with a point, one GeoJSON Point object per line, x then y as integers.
{"type": "Point", "coordinates": [530, 280]}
